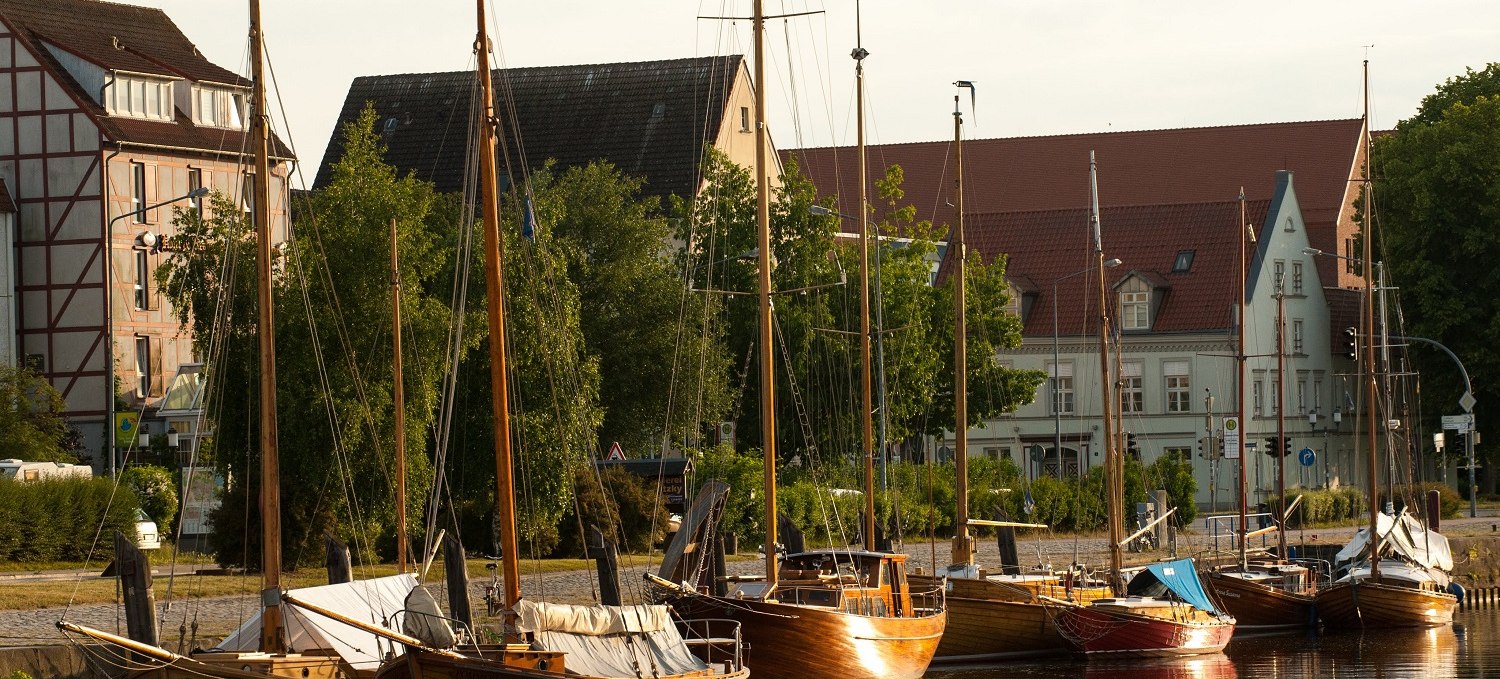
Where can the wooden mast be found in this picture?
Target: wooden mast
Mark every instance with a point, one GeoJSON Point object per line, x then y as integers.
{"type": "Point", "coordinates": [763, 259]}
{"type": "Point", "coordinates": [963, 552]}
{"type": "Point", "coordinates": [1114, 484]}
{"type": "Point", "coordinates": [272, 636]}
{"type": "Point", "coordinates": [400, 407]}
{"type": "Point", "coordinates": [1368, 331]}
{"type": "Point", "coordinates": [494, 285]}
{"type": "Point", "coordinates": [1281, 440]}
{"type": "Point", "coordinates": [1239, 358]}
{"type": "Point", "coordinates": [867, 405]}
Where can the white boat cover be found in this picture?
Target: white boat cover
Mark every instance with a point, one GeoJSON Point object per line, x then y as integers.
{"type": "Point", "coordinates": [610, 641]}
{"type": "Point", "coordinates": [377, 601]}
{"type": "Point", "coordinates": [1408, 538]}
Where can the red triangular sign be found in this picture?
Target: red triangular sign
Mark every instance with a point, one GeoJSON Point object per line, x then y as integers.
{"type": "Point", "coordinates": [615, 453]}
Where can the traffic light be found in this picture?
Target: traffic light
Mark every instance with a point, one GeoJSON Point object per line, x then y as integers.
{"type": "Point", "coordinates": [1351, 344]}
{"type": "Point", "coordinates": [1130, 446]}
{"type": "Point", "coordinates": [1272, 445]}
{"type": "Point", "coordinates": [1286, 446]}
{"type": "Point", "coordinates": [1200, 447]}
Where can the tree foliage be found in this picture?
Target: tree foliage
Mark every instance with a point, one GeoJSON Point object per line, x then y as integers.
{"type": "Point", "coordinates": [1437, 189]}
{"type": "Point", "coordinates": [31, 424]}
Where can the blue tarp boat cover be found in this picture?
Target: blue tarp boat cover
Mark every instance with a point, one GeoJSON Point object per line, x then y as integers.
{"type": "Point", "coordinates": [1180, 578]}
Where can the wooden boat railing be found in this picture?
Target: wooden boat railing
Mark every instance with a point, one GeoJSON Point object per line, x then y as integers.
{"type": "Point", "coordinates": [704, 636]}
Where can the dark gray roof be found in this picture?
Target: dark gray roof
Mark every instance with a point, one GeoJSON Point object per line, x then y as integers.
{"type": "Point", "coordinates": [650, 119]}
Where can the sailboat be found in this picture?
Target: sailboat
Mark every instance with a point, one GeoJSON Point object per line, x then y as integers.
{"type": "Point", "coordinates": [1397, 570]}
{"type": "Point", "coordinates": [823, 613]}
{"type": "Point", "coordinates": [1263, 593]}
{"type": "Point", "coordinates": [1164, 610]}
{"type": "Point", "coordinates": [272, 658]}
{"type": "Point", "coordinates": [990, 617]}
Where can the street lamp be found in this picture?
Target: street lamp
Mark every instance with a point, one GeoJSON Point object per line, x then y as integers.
{"type": "Point", "coordinates": [109, 325]}
{"type": "Point", "coordinates": [1056, 411]}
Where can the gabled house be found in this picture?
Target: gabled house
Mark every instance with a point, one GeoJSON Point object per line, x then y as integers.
{"type": "Point", "coordinates": [653, 120]}
{"type": "Point", "coordinates": [1148, 167]}
{"type": "Point", "coordinates": [105, 111]}
{"type": "Point", "coordinates": [1171, 300]}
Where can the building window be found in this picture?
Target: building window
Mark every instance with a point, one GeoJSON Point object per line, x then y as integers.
{"type": "Point", "coordinates": [1297, 337]}
{"type": "Point", "coordinates": [1062, 388]}
{"type": "Point", "coordinates": [1317, 393]}
{"type": "Point", "coordinates": [1182, 453]}
{"type": "Point", "coordinates": [1279, 275]}
{"type": "Point", "coordinates": [744, 118]}
{"type": "Point", "coordinates": [1135, 311]}
{"type": "Point", "coordinates": [1296, 278]}
{"type": "Point", "coordinates": [1258, 398]}
{"type": "Point", "coordinates": [1275, 393]}
{"type": "Point", "coordinates": [140, 98]}
{"type": "Point", "coordinates": [1351, 259]}
{"type": "Point", "coordinates": [143, 366]}
{"type": "Point", "coordinates": [247, 190]}
{"type": "Point", "coordinates": [1132, 398]}
{"type": "Point", "coordinates": [195, 182]}
{"type": "Point", "coordinates": [138, 192]}
{"type": "Point", "coordinates": [1184, 261]}
{"type": "Point", "coordinates": [142, 279]}
{"type": "Point", "coordinates": [1302, 396]}
{"type": "Point", "coordinates": [1178, 386]}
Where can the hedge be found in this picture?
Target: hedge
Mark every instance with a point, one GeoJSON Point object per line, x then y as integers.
{"type": "Point", "coordinates": [59, 519]}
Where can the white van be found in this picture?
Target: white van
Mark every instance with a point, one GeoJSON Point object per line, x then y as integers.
{"type": "Point", "coordinates": [146, 536]}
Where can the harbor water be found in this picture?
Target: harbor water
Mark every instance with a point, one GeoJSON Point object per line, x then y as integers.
{"type": "Point", "coordinates": [1469, 648]}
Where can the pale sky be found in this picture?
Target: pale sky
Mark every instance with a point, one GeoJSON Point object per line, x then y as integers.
{"type": "Point", "coordinates": [1040, 66]}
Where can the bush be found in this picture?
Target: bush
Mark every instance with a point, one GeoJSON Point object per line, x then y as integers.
{"type": "Point", "coordinates": [744, 509]}
{"type": "Point", "coordinates": [60, 519]}
{"type": "Point", "coordinates": [1325, 506]}
{"type": "Point", "coordinates": [1450, 503]}
{"type": "Point", "coordinates": [156, 491]}
{"type": "Point", "coordinates": [625, 507]}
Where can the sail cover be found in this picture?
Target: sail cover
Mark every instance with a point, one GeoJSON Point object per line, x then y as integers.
{"type": "Point", "coordinates": [377, 601]}
{"type": "Point", "coordinates": [1180, 578]}
{"type": "Point", "coordinates": [610, 641]}
{"type": "Point", "coordinates": [1408, 538]}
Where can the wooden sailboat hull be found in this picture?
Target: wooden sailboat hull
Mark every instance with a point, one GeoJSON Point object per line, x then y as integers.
{"type": "Point", "coordinates": [419, 664]}
{"type": "Point", "coordinates": [1256, 605]}
{"type": "Point", "coordinates": [993, 621]}
{"type": "Point", "coordinates": [1372, 605]}
{"type": "Point", "coordinates": [1095, 632]}
{"type": "Point", "coordinates": [794, 641]}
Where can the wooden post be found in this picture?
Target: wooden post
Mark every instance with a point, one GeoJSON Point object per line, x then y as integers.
{"type": "Point", "coordinates": [1010, 557]}
{"type": "Point", "coordinates": [135, 581]}
{"type": "Point", "coordinates": [1161, 528]}
{"type": "Point", "coordinates": [1434, 510]}
{"type": "Point", "coordinates": [607, 559]}
{"type": "Point", "coordinates": [719, 586]}
{"type": "Point", "coordinates": [456, 568]}
{"type": "Point", "coordinates": [336, 557]}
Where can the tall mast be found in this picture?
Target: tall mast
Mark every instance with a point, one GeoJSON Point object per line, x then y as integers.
{"type": "Point", "coordinates": [1239, 359]}
{"type": "Point", "coordinates": [1281, 421]}
{"type": "Point", "coordinates": [494, 285]}
{"type": "Point", "coordinates": [963, 553]}
{"type": "Point", "coordinates": [867, 406]}
{"type": "Point", "coordinates": [763, 257]}
{"type": "Point", "coordinates": [400, 407]}
{"type": "Point", "coordinates": [1114, 468]}
{"type": "Point", "coordinates": [272, 637]}
{"type": "Point", "coordinates": [1368, 331]}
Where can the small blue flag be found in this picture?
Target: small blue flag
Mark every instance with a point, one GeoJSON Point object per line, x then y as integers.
{"type": "Point", "coordinates": [528, 219]}
{"type": "Point", "coordinates": [1030, 505]}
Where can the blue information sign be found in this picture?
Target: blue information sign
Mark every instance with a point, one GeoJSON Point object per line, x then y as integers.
{"type": "Point", "coordinates": [1307, 457]}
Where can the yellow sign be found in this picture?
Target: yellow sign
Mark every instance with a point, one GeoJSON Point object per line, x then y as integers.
{"type": "Point", "coordinates": [126, 428]}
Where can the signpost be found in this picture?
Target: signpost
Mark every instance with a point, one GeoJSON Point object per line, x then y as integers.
{"type": "Point", "coordinates": [1307, 457]}
{"type": "Point", "coordinates": [1232, 438]}
{"type": "Point", "coordinates": [615, 453]}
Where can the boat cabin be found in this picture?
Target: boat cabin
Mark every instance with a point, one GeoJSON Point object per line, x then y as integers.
{"type": "Point", "coordinates": [856, 582]}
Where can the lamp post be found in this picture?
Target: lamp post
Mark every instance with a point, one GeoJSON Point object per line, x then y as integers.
{"type": "Point", "coordinates": [109, 325]}
{"type": "Point", "coordinates": [1056, 411]}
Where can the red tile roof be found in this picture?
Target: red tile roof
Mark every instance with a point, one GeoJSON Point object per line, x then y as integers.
{"type": "Point", "coordinates": [115, 37]}
{"type": "Point", "coordinates": [1046, 245]}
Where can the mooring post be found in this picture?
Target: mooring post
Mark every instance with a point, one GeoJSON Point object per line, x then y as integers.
{"type": "Point", "coordinates": [607, 559]}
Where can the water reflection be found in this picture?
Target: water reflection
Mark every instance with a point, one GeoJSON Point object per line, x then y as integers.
{"type": "Point", "coordinates": [1469, 648]}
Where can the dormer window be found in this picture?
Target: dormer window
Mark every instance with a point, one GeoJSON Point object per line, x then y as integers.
{"type": "Point", "coordinates": [1184, 261]}
{"type": "Point", "coordinates": [139, 96]}
{"type": "Point", "coordinates": [218, 107]}
{"type": "Point", "coordinates": [1138, 297]}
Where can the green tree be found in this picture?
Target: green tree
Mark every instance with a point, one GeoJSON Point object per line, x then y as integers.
{"type": "Point", "coordinates": [31, 424]}
{"type": "Point", "coordinates": [156, 491]}
{"type": "Point", "coordinates": [1437, 198]}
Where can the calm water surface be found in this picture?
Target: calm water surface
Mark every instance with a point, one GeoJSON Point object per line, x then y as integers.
{"type": "Point", "coordinates": [1470, 648]}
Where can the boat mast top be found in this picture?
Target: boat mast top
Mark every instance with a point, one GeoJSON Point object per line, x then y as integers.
{"type": "Point", "coordinates": [1239, 359]}
{"type": "Point", "coordinates": [1114, 465]}
{"type": "Point", "coordinates": [494, 284]}
{"type": "Point", "coordinates": [1368, 331]}
{"type": "Point", "coordinates": [867, 407]}
{"type": "Point", "coordinates": [272, 635]}
{"type": "Point", "coordinates": [963, 543]}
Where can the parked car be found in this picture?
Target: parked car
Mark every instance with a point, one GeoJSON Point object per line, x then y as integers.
{"type": "Point", "coordinates": [146, 536]}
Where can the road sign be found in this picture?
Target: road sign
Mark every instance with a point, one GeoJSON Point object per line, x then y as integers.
{"type": "Point", "coordinates": [1307, 457]}
{"type": "Point", "coordinates": [615, 453]}
{"type": "Point", "coordinates": [1464, 422]}
{"type": "Point", "coordinates": [1232, 438]}
{"type": "Point", "coordinates": [1467, 402]}
{"type": "Point", "coordinates": [126, 429]}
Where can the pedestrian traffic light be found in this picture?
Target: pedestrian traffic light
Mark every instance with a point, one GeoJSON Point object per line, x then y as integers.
{"type": "Point", "coordinates": [1351, 344]}
{"type": "Point", "coordinates": [1130, 445]}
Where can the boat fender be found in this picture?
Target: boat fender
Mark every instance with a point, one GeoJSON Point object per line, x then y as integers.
{"type": "Point", "coordinates": [1457, 590]}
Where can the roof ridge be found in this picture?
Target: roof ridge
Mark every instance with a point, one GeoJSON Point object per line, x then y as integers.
{"type": "Point", "coordinates": [1287, 123]}
{"type": "Point", "coordinates": [1114, 206]}
{"type": "Point", "coordinates": [550, 68]}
